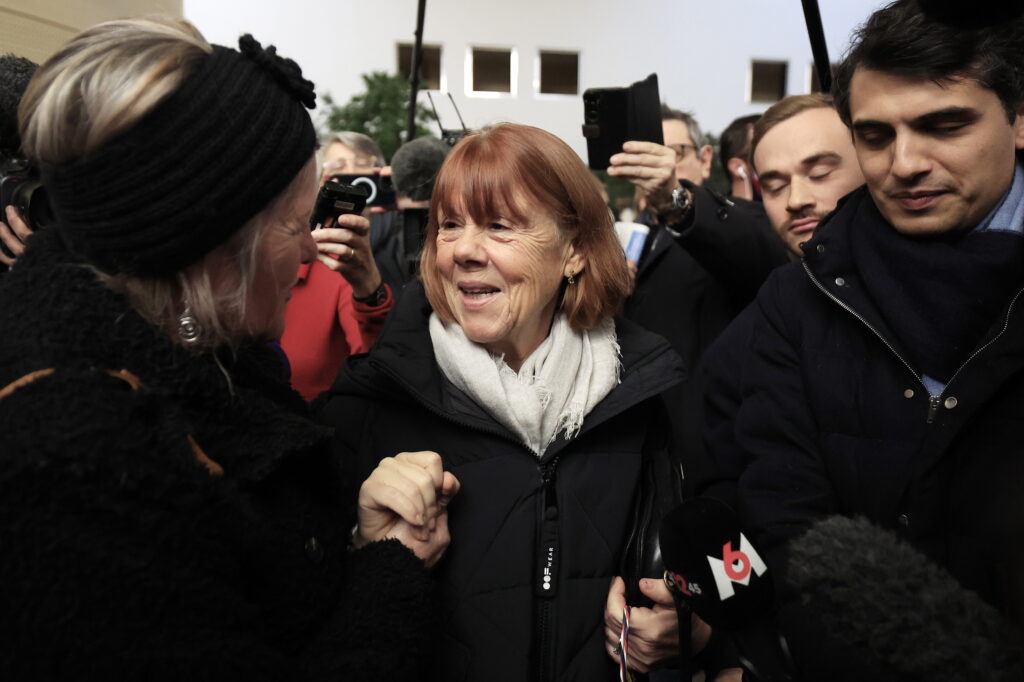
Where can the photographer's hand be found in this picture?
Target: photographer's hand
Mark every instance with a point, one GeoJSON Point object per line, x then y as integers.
{"type": "Point", "coordinates": [652, 168]}
{"type": "Point", "coordinates": [13, 234]}
{"type": "Point", "coordinates": [349, 242]}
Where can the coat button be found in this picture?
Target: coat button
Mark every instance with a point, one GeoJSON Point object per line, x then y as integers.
{"type": "Point", "coordinates": [821, 248]}
{"type": "Point", "coordinates": [904, 520]}
{"type": "Point", "coordinates": [840, 282]}
{"type": "Point", "coordinates": [950, 402]}
{"type": "Point", "coordinates": [314, 550]}
{"type": "Point", "coordinates": [909, 393]}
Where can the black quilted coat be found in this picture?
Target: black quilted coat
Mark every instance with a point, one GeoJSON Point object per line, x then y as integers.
{"type": "Point", "coordinates": [516, 519]}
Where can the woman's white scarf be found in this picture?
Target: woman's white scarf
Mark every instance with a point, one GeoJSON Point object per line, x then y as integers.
{"type": "Point", "coordinates": [557, 386]}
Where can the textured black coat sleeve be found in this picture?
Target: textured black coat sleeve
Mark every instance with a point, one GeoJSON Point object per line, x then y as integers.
{"type": "Point", "coordinates": [116, 572]}
{"type": "Point", "coordinates": [734, 243]}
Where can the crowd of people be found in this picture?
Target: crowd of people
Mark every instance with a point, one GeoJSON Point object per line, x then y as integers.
{"type": "Point", "coordinates": [436, 439]}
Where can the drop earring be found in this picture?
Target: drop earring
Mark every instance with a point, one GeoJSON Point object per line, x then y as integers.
{"type": "Point", "coordinates": [188, 327]}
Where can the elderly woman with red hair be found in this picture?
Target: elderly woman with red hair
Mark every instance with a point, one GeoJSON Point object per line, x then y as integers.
{"type": "Point", "coordinates": [509, 362]}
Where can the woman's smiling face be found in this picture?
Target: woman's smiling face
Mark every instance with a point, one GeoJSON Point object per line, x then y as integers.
{"type": "Point", "coordinates": [501, 277]}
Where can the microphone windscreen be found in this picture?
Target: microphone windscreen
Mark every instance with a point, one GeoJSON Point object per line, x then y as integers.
{"type": "Point", "coordinates": [15, 73]}
{"type": "Point", "coordinates": [714, 565]}
{"type": "Point", "coordinates": [878, 594]}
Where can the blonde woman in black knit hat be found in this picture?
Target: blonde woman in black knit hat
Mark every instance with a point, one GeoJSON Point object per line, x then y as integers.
{"type": "Point", "coordinates": [167, 510]}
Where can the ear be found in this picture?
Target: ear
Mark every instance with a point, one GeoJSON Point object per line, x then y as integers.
{"type": "Point", "coordinates": [575, 261]}
{"type": "Point", "coordinates": [734, 165]}
{"type": "Point", "coordinates": [706, 153]}
{"type": "Point", "coordinates": [1018, 127]}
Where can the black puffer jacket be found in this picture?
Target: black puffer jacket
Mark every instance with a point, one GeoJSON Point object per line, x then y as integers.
{"type": "Point", "coordinates": [500, 622]}
{"type": "Point", "coordinates": [833, 419]}
{"type": "Point", "coordinates": [124, 558]}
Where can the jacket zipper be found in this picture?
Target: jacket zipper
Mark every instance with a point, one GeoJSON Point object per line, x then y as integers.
{"type": "Point", "coordinates": [934, 401]}
{"type": "Point", "coordinates": [546, 574]}
{"type": "Point", "coordinates": [547, 545]}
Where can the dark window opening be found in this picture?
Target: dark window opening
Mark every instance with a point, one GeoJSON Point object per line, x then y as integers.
{"type": "Point", "coordinates": [767, 81]}
{"type": "Point", "coordinates": [559, 73]}
{"type": "Point", "coordinates": [492, 70]}
{"type": "Point", "coordinates": [430, 64]}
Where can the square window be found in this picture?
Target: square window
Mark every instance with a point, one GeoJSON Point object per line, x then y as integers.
{"type": "Point", "coordinates": [559, 73]}
{"type": "Point", "coordinates": [767, 81]}
{"type": "Point", "coordinates": [430, 64]}
{"type": "Point", "coordinates": [492, 70]}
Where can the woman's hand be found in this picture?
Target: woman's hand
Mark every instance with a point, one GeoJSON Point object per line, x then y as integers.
{"type": "Point", "coordinates": [345, 248]}
{"type": "Point", "coordinates": [406, 498]}
{"type": "Point", "coordinates": [653, 632]}
{"type": "Point", "coordinates": [13, 234]}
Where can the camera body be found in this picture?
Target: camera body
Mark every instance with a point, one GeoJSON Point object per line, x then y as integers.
{"type": "Point", "coordinates": [21, 187]}
{"type": "Point", "coordinates": [613, 116]}
{"type": "Point", "coordinates": [379, 189]}
{"type": "Point", "coordinates": [335, 199]}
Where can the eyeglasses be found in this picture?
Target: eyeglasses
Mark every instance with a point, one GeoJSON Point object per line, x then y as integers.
{"type": "Point", "coordinates": [342, 164]}
{"type": "Point", "coordinates": [680, 150]}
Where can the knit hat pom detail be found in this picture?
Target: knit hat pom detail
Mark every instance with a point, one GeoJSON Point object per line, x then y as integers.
{"type": "Point", "coordinates": [284, 70]}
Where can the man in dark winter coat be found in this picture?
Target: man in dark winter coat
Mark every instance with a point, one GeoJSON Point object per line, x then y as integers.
{"type": "Point", "coordinates": [704, 260]}
{"type": "Point", "coordinates": [807, 163]}
{"type": "Point", "coordinates": [886, 374]}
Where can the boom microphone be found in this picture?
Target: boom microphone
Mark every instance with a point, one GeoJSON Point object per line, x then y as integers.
{"type": "Point", "coordinates": [880, 595]}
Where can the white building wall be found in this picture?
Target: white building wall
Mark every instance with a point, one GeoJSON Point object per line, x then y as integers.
{"type": "Point", "coordinates": [701, 51]}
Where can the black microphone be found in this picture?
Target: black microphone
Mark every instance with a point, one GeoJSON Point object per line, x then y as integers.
{"type": "Point", "coordinates": [881, 596]}
{"type": "Point", "coordinates": [717, 571]}
{"type": "Point", "coordinates": [714, 565]}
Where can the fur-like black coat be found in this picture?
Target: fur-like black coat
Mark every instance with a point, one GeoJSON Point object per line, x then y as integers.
{"type": "Point", "coordinates": [123, 558]}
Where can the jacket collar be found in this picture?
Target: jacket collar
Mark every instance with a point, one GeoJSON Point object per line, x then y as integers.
{"type": "Point", "coordinates": [404, 358]}
{"type": "Point", "coordinates": [829, 264]}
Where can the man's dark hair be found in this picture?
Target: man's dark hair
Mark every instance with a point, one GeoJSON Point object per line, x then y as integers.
{"type": "Point", "coordinates": [415, 165]}
{"type": "Point", "coordinates": [696, 134]}
{"type": "Point", "coordinates": [15, 73]}
{"type": "Point", "coordinates": [735, 140]}
{"type": "Point", "coordinates": [900, 39]}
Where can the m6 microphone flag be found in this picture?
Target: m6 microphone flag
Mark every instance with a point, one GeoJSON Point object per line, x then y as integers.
{"type": "Point", "coordinates": [714, 565]}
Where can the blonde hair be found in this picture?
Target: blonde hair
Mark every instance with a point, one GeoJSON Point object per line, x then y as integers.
{"type": "Point", "coordinates": [102, 82]}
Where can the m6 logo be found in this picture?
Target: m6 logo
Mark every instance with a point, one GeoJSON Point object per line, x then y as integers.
{"type": "Point", "coordinates": [735, 567]}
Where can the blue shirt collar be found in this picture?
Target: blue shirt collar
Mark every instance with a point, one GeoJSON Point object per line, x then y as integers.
{"type": "Point", "coordinates": [1008, 214]}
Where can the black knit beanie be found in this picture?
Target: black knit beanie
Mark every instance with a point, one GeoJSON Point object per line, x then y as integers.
{"type": "Point", "coordinates": [190, 173]}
